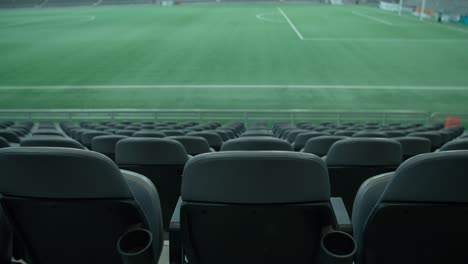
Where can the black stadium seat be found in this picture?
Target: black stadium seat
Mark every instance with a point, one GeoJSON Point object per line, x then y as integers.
{"type": "Point", "coordinates": [352, 161]}
{"type": "Point", "coordinates": [412, 146]}
{"type": "Point", "coordinates": [47, 132]}
{"type": "Point", "coordinates": [214, 140]}
{"type": "Point", "coordinates": [434, 137]}
{"type": "Point", "coordinates": [302, 138]}
{"type": "Point", "coordinates": [257, 133]}
{"type": "Point", "coordinates": [106, 144]}
{"type": "Point", "coordinates": [9, 136]}
{"type": "Point", "coordinates": [71, 206]}
{"type": "Point", "coordinates": [256, 143]}
{"type": "Point", "coordinates": [193, 145]}
{"type": "Point", "coordinates": [459, 144]}
{"type": "Point", "coordinates": [161, 160]}
{"type": "Point", "coordinates": [149, 133]}
{"type": "Point", "coordinates": [253, 207]}
{"type": "Point", "coordinates": [87, 137]}
{"type": "Point", "coordinates": [321, 145]}
{"type": "Point", "coordinates": [4, 143]}
{"type": "Point", "coordinates": [51, 141]}
{"type": "Point", "coordinates": [417, 214]}
{"type": "Point", "coordinates": [371, 134]}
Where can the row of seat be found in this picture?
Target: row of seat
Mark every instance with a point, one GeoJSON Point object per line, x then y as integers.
{"type": "Point", "coordinates": [76, 206]}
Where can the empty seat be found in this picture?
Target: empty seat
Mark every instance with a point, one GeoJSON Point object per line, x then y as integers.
{"type": "Point", "coordinates": [70, 205]}
{"type": "Point", "coordinates": [4, 143]}
{"type": "Point", "coordinates": [257, 133]}
{"type": "Point", "coordinates": [170, 132]}
{"type": "Point", "coordinates": [87, 137]}
{"type": "Point", "coordinates": [193, 145]}
{"type": "Point", "coordinates": [161, 160]}
{"type": "Point", "coordinates": [124, 132]}
{"type": "Point", "coordinates": [345, 133]}
{"type": "Point", "coordinates": [242, 207]}
{"type": "Point", "coordinates": [293, 134]}
{"type": "Point", "coordinates": [47, 132]}
{"type": "Point", "coordinates": [10, 136]}
{"type": "Point", "coordinates": [395, 133]}
{"type": "Point", "coordinates": [416, 215]}
{"type": "Point", "coordinates": [412, 146]}
{"type": "Point", "coordinates": [321, 145]}
{"type": "Point", "coordinates": [302, 138]}
{"type": "Point", "coordinates": [460, 144]}
{"type": "Point", "coordinates": [256, 143]}
{"type": "Point", "coordinates": [214, 140]}
{"type": "Point", "coordinates": [149, 133]}
{"type": "Point", "coordinates": [434, 137]}
{"type": "Point", "coordinates": [46, 141]}
{"type": "Point", "coordinates": [352, 161]}
{"type": "Point", "coordinates": [106, 144]}
{"type": "Point", "coordinates": [371, 134]}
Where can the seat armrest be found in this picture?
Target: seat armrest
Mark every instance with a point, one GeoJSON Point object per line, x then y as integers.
{"type": "Point", "coordinates": [342, 220]}
{"type": "Point", "coordinates": [176, 253]}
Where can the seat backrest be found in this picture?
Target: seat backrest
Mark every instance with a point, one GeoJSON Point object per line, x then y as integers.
{"type": "Point", "coordinates": [87, 137]}
{"type": "Point", "coordinates": [302, 138]}
{"type": "Point", "coordinates": [412, 146]}
{"type": "Point", "coordinates": [193, 145]}
{"type": "Point", "coordinates": [161, 160]}
{"type": "Point", "coordinates": [149, 133]}
{"type": "Point", "coordinates": [256, 143]}
{"type": "Point", "coordinates": [420, 216]}
{"type": "Point", "coordinates": [434, 137]}
{"type": "Point", "coordinates": [47, 132]}
{"type": "Point", "coordinates": [51, 141]}
{"type": "Point", "coordinates": [10, 136]}
{"type": "Point", "coordinates": [459, 144]}
{"type": "Point", "coordinates": [245, 204]}
{"type": "Point", "coordinates": [257, 133]}
{"type": "Point", "coordinates": [68, 205]}
{"type": "Point", "coordinates": [320, 145]}
{"type": "Point", "coordinates": [4, 143]}
{"type": "Point", "coordinates": [214, 140]}
{"type": "Point", "coordinates": [395, 133]}
{"type": "Point", "coordinates": [106, 144]}
{"type": "Point", "coordinates": [370, 134]}
{"type": "Point", "coordinates": [172, 132]}
{"type": "Point", "coordinates": [352, 161]}
{"type": "Point", "coordinates": [293, 134]}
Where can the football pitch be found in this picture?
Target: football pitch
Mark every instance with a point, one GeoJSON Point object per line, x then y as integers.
{"type": "Point", "coordinates": [223, 56]}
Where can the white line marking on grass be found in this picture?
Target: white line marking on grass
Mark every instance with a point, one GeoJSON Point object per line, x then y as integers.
{"type": "Point", "coordinates": [264, 17]}
{"type": "Point", "coordinates": [291, 24]}
{"type": "Point", "coordinates": [372, 18]}
{"type": "Point", "coordinates": [240, 86]}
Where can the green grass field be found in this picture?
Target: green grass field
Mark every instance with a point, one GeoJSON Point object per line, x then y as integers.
{"type": "Point", "coordinates": [261, 56]}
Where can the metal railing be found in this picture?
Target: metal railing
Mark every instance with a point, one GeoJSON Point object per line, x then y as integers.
{"type": "Point", "coordinates": [248, 116]}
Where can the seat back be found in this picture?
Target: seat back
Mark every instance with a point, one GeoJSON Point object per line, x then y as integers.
{"type": "Point", "coordinates": [256, 143]}
{"type": "Point", "coordinates": [161, 160]}
{"type": "Point", "coordinates": [4, 143]}
{"type": "Point", "coordinates": [214, 140]}
{"type": "Point", "coordinates": [106, 144]}
{"type": "Point", "coordinates": [87, 137]}
{"type": "Point", "coordinates": [320, 145]}
{"type": "Point", "coordinates": [149, 133]}
{"type": "Point", "coordinates": [241, 207]}
{"type": "Point", "coordinates": [434, 137]}
{"type": "Point", "coordinates": [10, 136]}
{"type": "Point", "coordinates": [302, 138]}
{"type": "Point", "coordinates": [412, 146]}
{"type": "Point", "coordinates": [420, 216]}
{"type": "Point", "coordinates": [51, 141]}
{"type": "Point", "coordinates": [354, 160]}
{"type": "Point", "coordinates": [370, 134]}
{"type": "Point", "coordinates": [67, 205]}
{"type": "Point", "coordinates": [193, 145]}
{"type": "Point", "coordinates": [460, 144]}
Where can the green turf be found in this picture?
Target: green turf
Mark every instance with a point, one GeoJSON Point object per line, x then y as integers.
{"type": "Point", "coordinates": [230, 44]}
